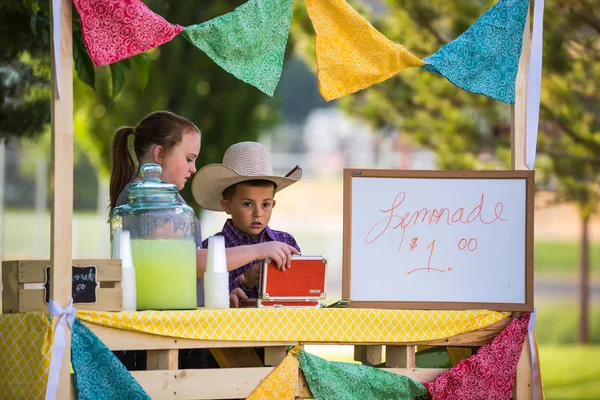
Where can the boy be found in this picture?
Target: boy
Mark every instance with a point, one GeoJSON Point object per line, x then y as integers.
{"type": "Point", "coordinates": [244, 186]}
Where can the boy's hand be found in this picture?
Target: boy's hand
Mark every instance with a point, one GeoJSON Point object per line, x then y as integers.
{"type": "Point", "coordinates": [251, 276]}
{"type": "Point", "coordinates": [235, 297]}
{"type": "Point", "coordinates": [280, 253]}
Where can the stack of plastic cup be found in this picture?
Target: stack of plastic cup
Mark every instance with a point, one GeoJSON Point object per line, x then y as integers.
{"type": "Point", "coordinates": [122, 250]}
{"type": "Point", "coordinates": [216, 277]}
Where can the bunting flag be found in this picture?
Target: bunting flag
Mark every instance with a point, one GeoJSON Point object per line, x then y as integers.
{"type": "Point", "coordinates": [489, 374]}
{"type": "Point", "coordinates": [485, 58]}
{"type": "Point", "coordinates": [248, 42]}
{"type": "Point", "coordinates": [117, 29]}
{"type": "Point", "coordinates": [329, 380]}
{"type": "Point", "coordinates": [351, 53]}
{"type": "Point", "coordinates": [282, 382]}
{"type": "Point", "coordinates": [98, 372]}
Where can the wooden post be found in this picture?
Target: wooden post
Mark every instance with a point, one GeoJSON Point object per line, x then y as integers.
{"type": "Point", "coordinates": [61, 215]}
{"type": "Point", "coordinates": [522, 390]}
{"type": "Point", "coordinates": [368, 355]}
{"type": "Point", "coordinates": [403, 356]}
{"type": "Point", "coordinates": [519, 109]}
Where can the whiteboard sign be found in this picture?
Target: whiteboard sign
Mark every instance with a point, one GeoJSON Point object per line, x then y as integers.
{"type": "Point", "coordinates": [438, 239]}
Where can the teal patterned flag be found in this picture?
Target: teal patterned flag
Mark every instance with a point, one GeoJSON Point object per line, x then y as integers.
{"type": "Point", "coordinates": [248, 42]}
{"type": "Point", "coordinates": [99, 375]}
{"type": "Point", "coordinates": [485, 58]}
{"type": "Point", "coordinates": [329, 380]}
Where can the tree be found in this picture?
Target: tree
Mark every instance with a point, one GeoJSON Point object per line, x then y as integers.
{"type": "Point", "coordinates": [570, 109]}
{"type": "Point", "coordinates": [24, 72]}
{"type": "Point", "coordinates": [460, 126]}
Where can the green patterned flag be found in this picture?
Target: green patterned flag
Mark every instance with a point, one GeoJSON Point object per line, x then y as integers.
{"type": "Point", "coordinates": [329, 380]}
{"type": "Point", "coordinates": [248, 42]}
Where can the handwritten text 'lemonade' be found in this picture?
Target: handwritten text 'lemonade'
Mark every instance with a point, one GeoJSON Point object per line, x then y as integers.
{"type": "Point", "coordinates": [397, 218]}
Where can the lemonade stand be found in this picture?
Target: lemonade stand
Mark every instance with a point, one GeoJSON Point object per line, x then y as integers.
{"type": "Point", "coordinates": [36, 349]}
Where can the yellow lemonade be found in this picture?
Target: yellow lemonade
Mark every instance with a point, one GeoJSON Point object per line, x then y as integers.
{"type": "Point", "coordinates": [165, 274]}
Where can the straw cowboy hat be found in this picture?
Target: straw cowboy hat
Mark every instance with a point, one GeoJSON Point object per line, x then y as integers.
{"type": "Point", "coordinates": [242, 161]}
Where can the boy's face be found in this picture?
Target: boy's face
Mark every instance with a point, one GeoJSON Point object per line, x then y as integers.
{"type": "Point", "coordinates": [250, 208]}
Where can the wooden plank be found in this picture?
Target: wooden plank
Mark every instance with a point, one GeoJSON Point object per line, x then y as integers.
{"type": "Point", "coordinates": [109, 299]}
{"type": "Point", "coordinates": [274, 355]}
{"type": "Point", "coordinates": [519, 109]}
{"type": "Point", "coordinates": [523, 388]}
{"type": "Point", "coordinates": [61, 211]}
{"type": "Point", "coordinates": [119, 339]}
{"type": "Point", "coordinates": [162, 359]}
{"type": "Point", "coordinates": [108, 270]}
{"type": "Point", "coordinates": [10, 292]}
{"type": "Point", "coordinates": [400, 356]}
{"type": "Point", "coordinates": [240, 357]}
{"type": "Point", "coordinates": [418, 374]}
{"type": "Point", "coordinates": [230, 383]}
{"type": "Point", "coordinates": [368, 355]}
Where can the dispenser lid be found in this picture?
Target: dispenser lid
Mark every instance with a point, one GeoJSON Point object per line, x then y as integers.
{"type": "Point", "coordinates": [150, 174]}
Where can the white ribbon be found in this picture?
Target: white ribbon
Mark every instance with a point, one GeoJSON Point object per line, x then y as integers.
{"type": "Point", "coordinates": [67, 315]}
{"type": "Point", "coordinates": [536, 389]}
{"type": "Point", "coordinates": [534, 84]}
{"type": "Point", "coordinates": [56, 43]}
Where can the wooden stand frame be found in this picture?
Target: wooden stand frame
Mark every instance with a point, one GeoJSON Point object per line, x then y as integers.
{"type": "Point", "coordinates": [164, 381]}
{"type": "Point", "coordinates": [242, 371]}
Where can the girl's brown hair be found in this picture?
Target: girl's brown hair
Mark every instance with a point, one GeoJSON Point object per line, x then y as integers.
{"type": "Point", "coordinates": [161, 128]}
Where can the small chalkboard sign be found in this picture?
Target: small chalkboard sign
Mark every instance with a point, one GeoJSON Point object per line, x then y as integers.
{"type": "Point", "coordinates": [84, 284]}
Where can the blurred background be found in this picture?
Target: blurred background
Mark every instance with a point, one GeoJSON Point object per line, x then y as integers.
{"type": "Point", "coordinates": [415, 120]}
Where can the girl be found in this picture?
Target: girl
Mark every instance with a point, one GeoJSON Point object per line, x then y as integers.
{"type": "Point", "coordinates": [173, 142]}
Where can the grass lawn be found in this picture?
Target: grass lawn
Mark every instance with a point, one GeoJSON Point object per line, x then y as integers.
{"type": "Point", "coordinates": [557, 323]}
{"type": "Point", "coordinates": [571, 372]}
{"type": "Point", "coordinates": [561, 259]}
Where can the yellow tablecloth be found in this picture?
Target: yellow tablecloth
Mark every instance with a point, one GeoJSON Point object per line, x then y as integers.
{"type": "Point", "coordinates": [25, 342]}
{"type": "Point", "coordinates": [300, 324]}
{"type": "Point", "coordinates": [26, 339]}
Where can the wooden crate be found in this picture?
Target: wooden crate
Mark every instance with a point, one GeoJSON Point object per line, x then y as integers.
{"type": "Point", "coordinates": [23, 285]}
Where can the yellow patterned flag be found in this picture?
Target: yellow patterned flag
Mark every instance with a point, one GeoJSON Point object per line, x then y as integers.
{"type": "Point", "coordinates": [351, 53]}
{"type": "Point", "coordinates": [281, 384]}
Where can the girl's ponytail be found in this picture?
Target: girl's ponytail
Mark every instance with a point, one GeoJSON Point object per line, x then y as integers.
{"type": "Point", "coordinates": [123, 167]}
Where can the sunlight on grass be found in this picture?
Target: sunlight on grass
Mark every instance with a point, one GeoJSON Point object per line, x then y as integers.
{"type": "Point", "coordinates": [571, 372]}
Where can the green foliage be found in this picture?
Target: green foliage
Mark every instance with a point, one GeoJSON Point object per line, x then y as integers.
{"type": "Point", "coordinates": [24, 69]}
{"type": "Point", "coordinates": [570, 108]}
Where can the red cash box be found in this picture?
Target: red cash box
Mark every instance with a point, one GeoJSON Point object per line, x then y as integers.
{"type": "Point", "coordinates": [301, 285]}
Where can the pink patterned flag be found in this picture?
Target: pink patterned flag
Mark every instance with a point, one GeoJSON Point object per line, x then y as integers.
{"type": "Point", "coordinates": [489, 374]}
{"type": "Point", "coordinates": [117, 29]}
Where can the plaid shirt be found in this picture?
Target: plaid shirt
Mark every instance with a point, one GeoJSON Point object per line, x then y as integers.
{"type": "Point", "coordinates": [234, 237]}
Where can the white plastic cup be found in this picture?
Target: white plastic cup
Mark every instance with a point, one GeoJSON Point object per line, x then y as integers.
{"type": "Point", "coordinates": [216, 290]}
{"type": "Point", "coordinates": [128, 273]}
{"type": "Point", "coordinates": [216, 259]}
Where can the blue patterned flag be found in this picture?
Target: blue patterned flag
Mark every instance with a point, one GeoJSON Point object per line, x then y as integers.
{"type": "Point", "coordinates": [485, 58]}
{"type": "Point", "coordinates": [99, 375]}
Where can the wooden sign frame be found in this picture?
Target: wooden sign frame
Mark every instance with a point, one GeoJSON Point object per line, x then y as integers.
{"type": "Point", "coordinates": [350, 174]}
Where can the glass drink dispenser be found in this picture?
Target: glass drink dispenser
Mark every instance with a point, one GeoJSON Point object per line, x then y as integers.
{"type": "Point", "coordinates": [163, 245]}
